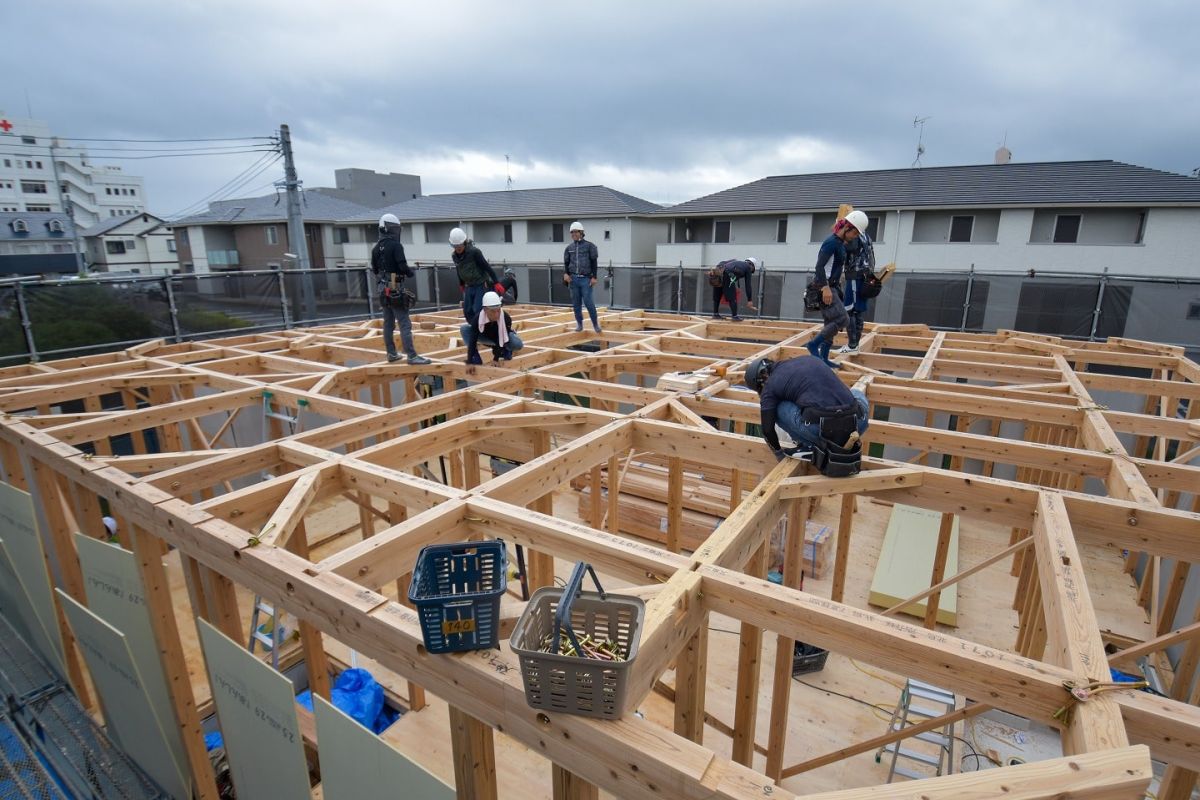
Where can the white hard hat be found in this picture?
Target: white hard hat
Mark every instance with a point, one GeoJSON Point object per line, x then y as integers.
{"type": "Point", "coordinates": [754, 261]}
{"type": "Point", "coordinates": [859, 220]}
{"type": "Point", "coordinates": [388, 219]}
{"type": "Point", "coordinates": [491, 300]}
{"type": "Point", "coordinates": [457, 236]}
{"type": "Point", "coordinates": [577, 226]}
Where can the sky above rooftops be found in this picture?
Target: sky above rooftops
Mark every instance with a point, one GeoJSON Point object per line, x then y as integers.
{"type": "Point", "coordinates": [665, 100]}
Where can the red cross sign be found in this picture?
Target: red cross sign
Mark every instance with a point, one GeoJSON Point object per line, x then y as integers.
{"type": "Point", "coordinates": [5, 125]}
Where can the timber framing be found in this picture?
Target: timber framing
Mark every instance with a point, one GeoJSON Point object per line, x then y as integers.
{"type": "Point", "coordinates": [226, 449]}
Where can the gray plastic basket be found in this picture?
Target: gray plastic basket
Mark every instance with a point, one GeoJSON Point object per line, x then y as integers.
{"type": "Point", "coordinates": [571, 684]}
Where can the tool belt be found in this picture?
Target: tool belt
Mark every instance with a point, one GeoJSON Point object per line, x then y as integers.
{"type": "Point", "coordinates": [400, 298]}
{"type": "Point", "coordinates": [831, 456]}
{"type": "Point", "coordinates": [834, 461]}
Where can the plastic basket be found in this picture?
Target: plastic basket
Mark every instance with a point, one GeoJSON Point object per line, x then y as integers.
{"type": "Point", "coordinates": [457, 589]}
{"type": "Point", "coordinates": [571, 684]}
{"type": "Point", "coordinates": [808, 658]}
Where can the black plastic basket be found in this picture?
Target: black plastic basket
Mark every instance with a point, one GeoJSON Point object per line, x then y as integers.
{"type": "Point", "coordinates": [457, 589]}
{"type": "Point", "coordinates": [808, 658]}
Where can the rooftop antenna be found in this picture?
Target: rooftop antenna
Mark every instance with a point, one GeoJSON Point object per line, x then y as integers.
{"type": "Point", "coordinates": [919, 124]}
{"type": "Point", "coordinates": [507, 173]}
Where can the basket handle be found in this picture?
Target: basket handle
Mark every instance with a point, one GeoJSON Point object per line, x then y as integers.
{"type": "Point", "coordinates": [562, 615]}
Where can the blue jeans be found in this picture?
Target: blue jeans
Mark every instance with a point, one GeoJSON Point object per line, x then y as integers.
{"type": "Point", "coordinates": [390, 317]}
{"type": "Point", "coordinates": [581, 295]}
{"type": "Point", "coordinates": [789, 417]}
{"type": "Point", "coordinates": [473, 301]}
{"type": "Point", "coordinates": [472, 338]}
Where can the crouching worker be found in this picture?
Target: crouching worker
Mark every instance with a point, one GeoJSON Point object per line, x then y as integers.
{"type": "Point", "coordinates": [823, 417]}
{"type": "Point", "coordinates": [493, 329]}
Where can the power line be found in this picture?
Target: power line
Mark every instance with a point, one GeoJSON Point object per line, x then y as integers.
{"type": "Point", "coordinates": [182, 155]}
{"type": "Point", "coordinates": [248, 174]}
{"type": "Point", "coordinates": [156, 141]}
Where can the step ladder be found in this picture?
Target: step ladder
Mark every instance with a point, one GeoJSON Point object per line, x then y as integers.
{"type": "Point", "coordinates": [273, 639]}
{"type": "Point", "coordinates": [270, 413]}
{"type": "Point", "coordinates": [926, 701]}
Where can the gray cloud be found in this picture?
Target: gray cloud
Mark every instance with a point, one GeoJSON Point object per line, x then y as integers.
{"type": "Point", "coordinates": [668, 100]}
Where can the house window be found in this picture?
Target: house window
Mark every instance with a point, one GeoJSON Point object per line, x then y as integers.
{"type": "Point", "coordinates": [39, 164]}
{"type": "Point", "coordinates": [131, 244]}
{"type": "Point", "coordinates": [556, 232]}
{"type": "Point", "coordinates": [341, 235]}
{"type": "Point", "coordinates": [181, 236]}
{"type": "Point", "coordinates": [508, 233]}
{"type": "Point", "coordinates": [29, 207]}
{"type": "Point", "coordinates": [1193, 311]}
{"type": "Point", "coordinates": [272, 234]}
{"type": "Point", "coordinates": [781, 231]}
{"type": "Point", "coordinates": [20, 226]}
{"type": "Point", "coordinates": [28, 140]}
{"type": "Point", "coordinates": [1141, 228]}
{"type": "Point", "coordinates": [55, 226]}
{"type": "Point", "coordinates": [8, 162]}
{"type": "Point", "coordinates": [171, 245]}
{"type": "Point", "coordinates": [116, 248]}
{"type": "Point", "coordinates": [721, 231]}
{"type": "Point", "coordinates": [607, 236]}
{"type": "Point", "coordinates": [875, 228]}
{"type": "Point", "coordinates": [108, 190]}
{"type": "Point", "coordinates": [34, 187]}
{"type": "Point", "coordinates": [1066, 228]}
{"type": "Point", "coordinates": [133, 192]}
{"type": "Point", "coordinates": [960, 228]}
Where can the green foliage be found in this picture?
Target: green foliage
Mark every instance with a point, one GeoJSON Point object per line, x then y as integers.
{"type": "Point", "coordinates": [79, 315]}
{"type": "Point", "coordinates": [199, 321]}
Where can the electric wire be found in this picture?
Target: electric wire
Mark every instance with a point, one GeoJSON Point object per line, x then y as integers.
{"type": "Point", "coordinates": [248, 174]}
{"type": "Point", "coordinates": [157, 141]}
{"type": "Point", "coordinates": [181, 155]}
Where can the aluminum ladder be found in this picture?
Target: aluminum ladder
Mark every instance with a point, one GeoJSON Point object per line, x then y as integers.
{"type": "Point", "coordinates": [927, 701]}
{"type": "Point", "coordinates": [273, 639]}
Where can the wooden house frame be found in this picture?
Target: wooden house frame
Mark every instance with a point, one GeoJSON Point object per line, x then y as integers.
{"type": "Point", "coordinates": [573, 407]}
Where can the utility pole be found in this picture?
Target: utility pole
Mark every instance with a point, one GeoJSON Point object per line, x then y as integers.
{"type": "Point", "coordinates": [295, 225]}
{"type": "Point", "coordinates": [69, 210]}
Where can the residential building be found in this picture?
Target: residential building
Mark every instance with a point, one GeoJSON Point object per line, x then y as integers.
{"type": "Point", "coordinates": [516, 226]}
{"type": "Point", "coordinates": [39, 173]}
{"type": "Point", "coordinates": [372, 189]}
{"type": "Point", "coordinates": [1073, 216]}
{"type": "Point", "coordinates": [251, 233]}
{"type": "Point", "coordinates": [141, 244]}
{"type": "Point", "coordinates": [36, 243]}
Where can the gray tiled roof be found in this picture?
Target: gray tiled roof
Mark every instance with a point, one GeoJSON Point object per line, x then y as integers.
{"type": "Point", "coordinates": [317, 207]}
{"type": "Point", "coordinates": [1061, 183]}
{"type": "Point", "coordinates": [101, 228]}
{"type": "Point", "coordinates": [36, 220]}
{"type": "Point", "coordinates": [565, 202]}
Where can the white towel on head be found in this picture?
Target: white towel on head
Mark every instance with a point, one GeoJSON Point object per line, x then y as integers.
{"type": "Point", "coordinates": [501, 328]}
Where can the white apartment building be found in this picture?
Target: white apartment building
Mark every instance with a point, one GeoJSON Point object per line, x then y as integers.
{"type": "Point", "coordinates": [39, 173]}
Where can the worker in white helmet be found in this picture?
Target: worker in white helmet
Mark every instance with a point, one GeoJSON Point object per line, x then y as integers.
{"type": "Point", "coordinates": [828, 281]}
{"type": "Point", "coordinates": [493, 328]}
{"type": "Point", "coordinates": [391, 268]}
{"type": "Point", "coordinates": [580, 264]}
{"type": "Point", "coordinates": [860, 264]}
{"type": "Point", "coordinates": [475, 274]}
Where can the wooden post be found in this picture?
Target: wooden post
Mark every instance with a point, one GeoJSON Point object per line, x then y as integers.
{"type": "Point", "coordinates": [842, 557]}
{"type": "Point", "coordinates": [614, 494]}
{"type": "Point", "coordinates": [782, 686]}
{"type": "Point", "coordinates": [596, 504]}
{"type": "Point", "coordinates": [749, 656]}
{"type": "Point", "coordinates": [674, 502]}
{"type": "Point", "coordinates": [569, 786]}
{"type": "Point", "coordinates": [939, 568]}
{"type": "Point", "coordinates": [226, 616]}
{"type": "Point", "coordinates": [691, 670]}
{"type": "Point", "coordinates": [156, 590]}
{"type": "Point", "coordinates": [311, 641]}
{"type": "Point", "coordinates": [474, 757]}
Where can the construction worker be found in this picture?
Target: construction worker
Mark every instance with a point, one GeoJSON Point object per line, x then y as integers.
{"type": "Point", "coordinates": [475, 274]}
{"type": "Point", "coordinates": [511, 294]}
{"type": "Point", "coordinates": [494, 329]}
{"type": "Point", "coordinates": [580, 262]}
{"type": "Point", "coordinates": [860, 263]}
{"type": "Point", "coordinates": [833, 255]}
{"type": "Point", "coordinates": [734, 270]}
{"type": "Point", "coordinates": [391, 268]}
{"type": "Point", "coordinates": [809, 403]}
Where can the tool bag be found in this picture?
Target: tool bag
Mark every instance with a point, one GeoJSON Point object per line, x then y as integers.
{"type": "Point", "coordinates": [831, 456]}
{"type": "Point", "coordinates": [834, 461]}
{"type": "Point", "coordinates": [812, 297]}
{"type": "Point", "coordinates": [871, 286]}
{"type": "Point", "coordinates": [716, 275]}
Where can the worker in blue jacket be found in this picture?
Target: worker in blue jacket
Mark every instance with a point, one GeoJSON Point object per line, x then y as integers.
{"type": "Point", "coordinates": [830, 261]}
{"type": "Point", "coordinates": [580, 265]}
{"type": "Point", "coordinates": [860, 264]}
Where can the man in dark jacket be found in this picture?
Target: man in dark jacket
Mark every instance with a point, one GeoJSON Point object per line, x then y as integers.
{"type": "Point", "coordinates": [580, 262]}
{"type": "Point", "coordinates": [391, 268]}
{"type": "Point", "coordinates": [511, 294]}
{"type": "Point", "coordinates": [475, 274]}
{"type": "Point", "coordinates": [795, 393]}
{"type": "Point", "coordinates": [833, 256]}
{"type": "Point", "coordinates": [734, 270]}
{"type": "Point", "coordinates": [494, 329]}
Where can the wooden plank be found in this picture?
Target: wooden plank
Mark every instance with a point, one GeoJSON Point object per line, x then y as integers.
{"type": "Point", "coordinates": [910, 551]}
{"type": "Point", "coordinates": [940, 556]}
{"type": "Point", "coordinates": [474, 757]}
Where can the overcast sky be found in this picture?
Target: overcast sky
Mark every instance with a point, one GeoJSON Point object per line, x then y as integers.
{"type": "Point", "coordinates": [664, 100]}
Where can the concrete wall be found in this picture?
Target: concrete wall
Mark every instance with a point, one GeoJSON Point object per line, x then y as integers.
{"type": "Point", "coordinates": [253, 250]}
{"type": "Point", "coordinates": [754, 230]}
{"type": "Point", "coordinates": [644, 236]}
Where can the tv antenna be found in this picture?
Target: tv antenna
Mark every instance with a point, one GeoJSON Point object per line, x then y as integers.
{"type": "Point", "coordinates": [507, 173]}
{"type": "Point", "coordinates": [919, 124]}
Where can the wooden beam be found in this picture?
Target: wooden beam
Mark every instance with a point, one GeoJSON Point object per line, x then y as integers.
{"type": "Point", "coordinates": [474, 757]}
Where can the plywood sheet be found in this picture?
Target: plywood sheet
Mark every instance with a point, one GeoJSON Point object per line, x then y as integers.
{"type": "Point", "coordinates": [257, 710]}
{"type": "Point", "coordinates": [20, 535]}
{"type": "Point", "coordinates": [358, 765]}
{"type": "Point", "coordinates": [16, 607]}
{"type": "Point", "coordinates": [129, 716]}
{"type": "Point", "coordinates": [906, 563]}
{"type": "Point", "coordinates": [115, 594]}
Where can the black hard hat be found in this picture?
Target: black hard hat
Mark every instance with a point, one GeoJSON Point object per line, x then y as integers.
{"type": "Point", "coordinates": [757, 372]}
